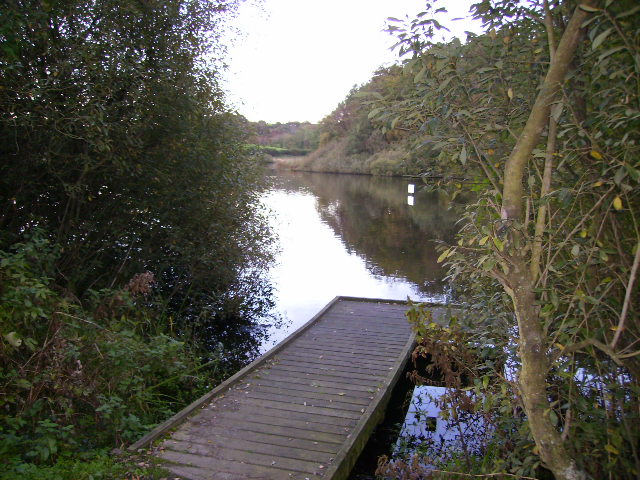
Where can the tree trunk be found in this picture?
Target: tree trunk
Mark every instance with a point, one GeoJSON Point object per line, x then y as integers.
{"type": "Point", "coordinates": [519, 281]}
{"type": "Point", "coordinates": [514, 169]}
{"type": "Point", "coordinates": [533, 375]}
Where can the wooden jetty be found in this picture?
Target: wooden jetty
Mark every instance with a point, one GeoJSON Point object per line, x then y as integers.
{"type": "Point", "coordinates": [303, 410]}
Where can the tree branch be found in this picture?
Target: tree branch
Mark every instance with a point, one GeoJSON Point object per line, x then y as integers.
{"type": "Point", "coordinates": [627, 298]}
{"type": "Point", "coordinates": [530, 136]}
{"type": "Point", "coordinates": [590, 342]}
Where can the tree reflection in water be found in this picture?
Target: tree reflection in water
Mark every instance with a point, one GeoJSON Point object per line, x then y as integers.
{"type": "Point", "coordinates": [353, 235]}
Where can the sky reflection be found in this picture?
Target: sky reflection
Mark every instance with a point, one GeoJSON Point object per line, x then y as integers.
{"type": "Point", "coordinates": [315, 264]}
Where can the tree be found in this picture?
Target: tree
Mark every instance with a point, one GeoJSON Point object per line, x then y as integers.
{"type": "Point", "coordinates": [115, 140]}
{"type": "Point", "coordinates": [556, 226]}
{"type": "Point", "coordinates": [131, 244]}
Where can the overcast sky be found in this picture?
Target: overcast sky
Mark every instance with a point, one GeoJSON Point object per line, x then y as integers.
{"type": "Point", "coordinates": [297, 59]}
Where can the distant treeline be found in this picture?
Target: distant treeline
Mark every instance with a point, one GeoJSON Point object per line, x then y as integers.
{"type": "Point", "coordinates": [282, 152]}
{"type": "Point", "coordinates": [292, 138]}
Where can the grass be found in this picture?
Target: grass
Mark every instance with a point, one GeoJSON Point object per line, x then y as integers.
{"type": "Point", "coordinates": [98, 467]}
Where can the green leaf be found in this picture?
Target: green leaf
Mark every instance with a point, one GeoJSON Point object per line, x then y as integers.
{"type": "Point", "coordinates": [444, 84]}
{"type": "Point", "coordinates": [554, 298]}
{"type": "Point", "coordinates": [633, 172]}
{"type": "Point", "coordinates": [629, 12]}
{"type": "Point", "coordinates": [489, 264]}
{"type": "Point", "coordinates": [619, 176]}
{"type": "Point", "coordinates": [463, 155]}
{"type": "Point", "coordinates": [609, 52]}
{"type": "Point", "coordinates": [547, 310]}
{"type": "Point", "coordinates": [13, 339]}
{"type": "Point", "coordinates": [587, 8]}
{"type": "Point", "coordinates": [374, 112]}
{"type": "Point", "coordinates": [601, 38]}
{"type": "Point", "coordinates": [483, 240]}
{"type": "Point", "coordinates": [22, 383]}
{"type": "Point", "coordinates": [611, 449]}
{"type": "Point", "coordinates": [443, 255]}
{"type": "Point", "coordinates": [498, 243]}
{"type": "Point", "coordinates": [553, 416]}
{"type": "Point", "coordinates": [361, 94]}
{"type": "Point", "coordinates": [420, 75]}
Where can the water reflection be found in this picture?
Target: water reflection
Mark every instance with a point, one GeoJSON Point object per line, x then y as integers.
{"type": "Point", "coordinates": [352, 235]}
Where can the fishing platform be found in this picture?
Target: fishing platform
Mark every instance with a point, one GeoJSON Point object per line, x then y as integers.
{"type": "Point", "coordinates": [302, 411]}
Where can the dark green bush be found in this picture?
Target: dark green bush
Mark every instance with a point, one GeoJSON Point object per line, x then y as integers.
{"type": "Point", "coordinates": [74, 378]}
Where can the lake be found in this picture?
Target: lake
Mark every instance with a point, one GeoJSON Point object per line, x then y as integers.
{"type": "Point", "coordinates": [352, 235]}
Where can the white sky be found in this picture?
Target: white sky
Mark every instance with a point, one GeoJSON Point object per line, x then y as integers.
{"type": "Point", "coordinates": [297, 59]}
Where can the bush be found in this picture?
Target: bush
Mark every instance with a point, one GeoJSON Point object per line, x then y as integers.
{"type": "Point", "coordinates": [79, 377]}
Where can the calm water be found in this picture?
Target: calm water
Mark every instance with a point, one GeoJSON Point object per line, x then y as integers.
{"type": "Point", "coordinates": [352, 235]}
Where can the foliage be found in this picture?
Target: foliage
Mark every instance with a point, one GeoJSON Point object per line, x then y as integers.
{"type": "Point", "coordinates": [279, 151]}
{"type": "Point", "coordinates": [301, 137]}
{"type": "Point", "coordinates": [566, 263]}
{"type": "Point", "coordinates": [132, 247]}
{"type": "Point", "coordinates": [75, 379]}
{"type": "Point", "coordinates": [116, 141]}
{"type": "Point", "coordinates": [478, 375]}
{"type": "Point", "coordinates": [350, 141]}
{"type": "Point", "coordinates": [95, 467]}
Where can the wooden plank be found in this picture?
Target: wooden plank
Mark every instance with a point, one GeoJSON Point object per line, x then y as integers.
{"type": "Point", "coordinates": [270, 409]}
{"type": "Point", "coordinates": [305, 409]}
{"type": "Point", "coordinates": [333, 365]}
{"type": "Point", "coordinates": [333, 416]}
{"type": "Point", "coordinates": [197, 473]}
{"type": "Point", "coordinates": [346, 324]}
{"type": "Point", "coordinates": [283, 426]}
{"type": "Point", "coordinates": [304, 380]}
{"type": "Point", "coordinates": [315, 395]}
{"type": "Point", "coordinates": [362, 365]}
{"type": "Point", "coordinates": [373, 318]}
{"type": "Point", "coordinates": [304, 399]}
{"type": "Point", "coordinates": [318, 354]}
{"type": "Point", "coordinates": [363, 340]}
{"type": "Point", "coordinates": [352, 353]}
{"type": "Point", "coordinates": [232, 461]}
{"type": "Point", "coordinates": [348, 352]}
{"type": "Point", "coordinates": [355, 396]}
{"type": "Point", "coordinates": [320, 376]}
{"type": "Point", "coordinates": [346, 458]}
{"type": "Point", "coordinates": [347, 375]}
{"type": "Point", "coordinates": [239, 431]}
{"type": "Point", "coordinates": [224, 443]}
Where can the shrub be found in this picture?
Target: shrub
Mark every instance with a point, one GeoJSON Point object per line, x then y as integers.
{"type": "Point", "coordinates": [75, 377]}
